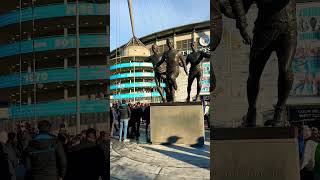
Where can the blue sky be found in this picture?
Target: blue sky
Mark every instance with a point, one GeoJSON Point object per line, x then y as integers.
{"type": "Point", "coordinates": [152, 16]}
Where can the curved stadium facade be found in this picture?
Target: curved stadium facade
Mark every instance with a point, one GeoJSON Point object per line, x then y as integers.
{"type": "Point", "coordinates": [38, 58]}
{"type": "Point", "coordinates": [133, 79]}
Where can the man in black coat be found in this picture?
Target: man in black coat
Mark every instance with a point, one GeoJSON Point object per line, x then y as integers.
{"type": "Point", "coordinates": [146, 114]}
{"type": "Point", "coordinates": [7, 162]}
{"type": "Point", "coordinates": [23, 138]}
{"type": "Point", "coordinates": [44, 158]}
{"type": "Point", "coordinates": [104, 143]}
{"type": "Point", "coordinates": [87, 160]}
{"type": "Point", "coordinates": [136, 117]}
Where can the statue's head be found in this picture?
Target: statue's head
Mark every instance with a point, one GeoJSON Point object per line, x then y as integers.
{"type": "Point", "coordinates": [170, 43]}
{"type": "Point", "coordinates": [154, 48]}
{"type": "Point", "coordinates": [313, 22]}
{"type": "Point", "coordinates": [193, 45]}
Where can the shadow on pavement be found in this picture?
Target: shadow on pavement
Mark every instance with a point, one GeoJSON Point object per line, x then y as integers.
{"type": "Point", "coordinates": [193, 160]}
{"type": "Point", "coordinates": [197, 149]}
{"type": "Point", "coordinates": [202, 151]}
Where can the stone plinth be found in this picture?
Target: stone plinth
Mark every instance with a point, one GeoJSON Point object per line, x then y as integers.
{"type": "Point", "coordinates": [177, 123]}
{"type": "Point", "coordinates": [254, 154]}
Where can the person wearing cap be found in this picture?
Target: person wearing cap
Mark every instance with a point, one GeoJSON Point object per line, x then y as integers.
{"type": "Point", "coordinates": [124, 113]}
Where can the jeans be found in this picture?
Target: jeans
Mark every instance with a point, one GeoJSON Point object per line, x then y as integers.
{"type": "Point", "coordinates": [124, 127]}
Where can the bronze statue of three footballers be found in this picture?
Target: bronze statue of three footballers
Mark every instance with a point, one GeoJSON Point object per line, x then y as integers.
{"type": "Point", "coordinates": [275, 31]}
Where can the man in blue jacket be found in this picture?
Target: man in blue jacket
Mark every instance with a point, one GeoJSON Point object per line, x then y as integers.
{"type": "Point", "coordinates": [44, 157]}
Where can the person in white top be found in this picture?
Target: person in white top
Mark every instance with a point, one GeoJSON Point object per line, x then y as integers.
{"type": "Point", "coordinates": [308, 160]}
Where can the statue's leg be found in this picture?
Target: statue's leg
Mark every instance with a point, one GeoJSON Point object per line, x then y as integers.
{"type": "Point", "coordinates": [258, 60]}
{"type": "Point", "coordinates": [199, 85]}
{"type": "Point", "coordinates": [173, 79]}
{"type": "Point", "coordinates": [170, 88]}
{"type": "Point", "coordinates": [164, 79]}
{"type": "Point", "coordinates": [157, 80]}
{"type": "Point", "coordinates": [286, 50]}
{"type": "Point", "coordinates": [174, 84]}
{"type": "Point", "coordinates": [190, 81]}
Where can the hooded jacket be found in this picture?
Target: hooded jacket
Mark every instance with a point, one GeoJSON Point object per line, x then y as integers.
{"type": "Point", "coordinates": [45, 158]}
{"type": "Point", "coordinates": [124, 111]}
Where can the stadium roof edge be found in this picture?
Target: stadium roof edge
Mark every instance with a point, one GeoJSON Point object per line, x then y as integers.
{"type": "Point", "coordinates": [164, 33]}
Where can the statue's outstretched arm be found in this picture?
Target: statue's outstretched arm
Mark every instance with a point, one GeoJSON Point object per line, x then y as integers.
{"type": "Point", "coordinates": [148, 59]}
{"type": "Point", "coordinates": [202, 56]}
{"type": "Point", "coordinates": [163, 58]}
{"type": "Point", "coordinates": [187, 60]}
{"type": "Point", "coordinates": [183, 63]}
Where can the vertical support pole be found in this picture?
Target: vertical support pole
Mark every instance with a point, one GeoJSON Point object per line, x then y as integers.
{"type": "Point", "coordinates": [78, 69]}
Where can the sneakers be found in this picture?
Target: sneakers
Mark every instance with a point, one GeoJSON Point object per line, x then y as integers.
{"type": "Point", "coordinates": [126, 140]}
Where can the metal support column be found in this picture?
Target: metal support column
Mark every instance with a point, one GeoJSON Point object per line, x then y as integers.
{"type": "Point", "coordinates": [78, 69]}
{"type": "Point", "coordinates": [34, 64]}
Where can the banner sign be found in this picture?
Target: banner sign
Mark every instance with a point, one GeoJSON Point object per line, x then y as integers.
{"type": "Point", "coordinates": [53, 75]}
{"type": "Point", "coordinates": [58, 108]}
{"type": "Point", "coordinates": [54, 43]}
{"type": "Point", "coordinates": [306, 65]}
{"type": "Point", "coordinates": [205, 88]}
{"type": "Point", "coordinates": [301, 113]}
{"type": "Point", "coordinates": [53, 11]}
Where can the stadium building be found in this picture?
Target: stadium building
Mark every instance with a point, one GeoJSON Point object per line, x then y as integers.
{"type": "Point", "coordinates": [38, 61]}
{"type": "Point", "coordinates": [231, 68]}
{"type": "Point", "coordinates": [133, 79]}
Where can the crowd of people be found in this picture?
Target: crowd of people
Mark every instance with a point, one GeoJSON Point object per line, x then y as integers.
{"type": "Point", "coordinates": [38, 154]}
{"type": "Point", "coordinates": [126, 119]}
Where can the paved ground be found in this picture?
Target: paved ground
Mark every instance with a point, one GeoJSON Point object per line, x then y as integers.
{"type": "Point", "coordinates": [145, 161]}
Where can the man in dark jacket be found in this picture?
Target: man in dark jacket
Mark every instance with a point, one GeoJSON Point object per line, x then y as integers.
{"type": "Point", "coordinates": [12, 154]}
{"type": "Point", "coordinates": [104, 144]}
{"type": "Point", "coordinates": [44, 157]}
{"type": "Point", "coordinates": [7, 171]}
{"type": "Point", "coordinates": [87, 160]}
{"type": "Point", "coordinates": [23, 137]}
{"type": "Point", "coordinates": [146, 115]}
{"type": "Point", "coordinates": [136, 117]}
